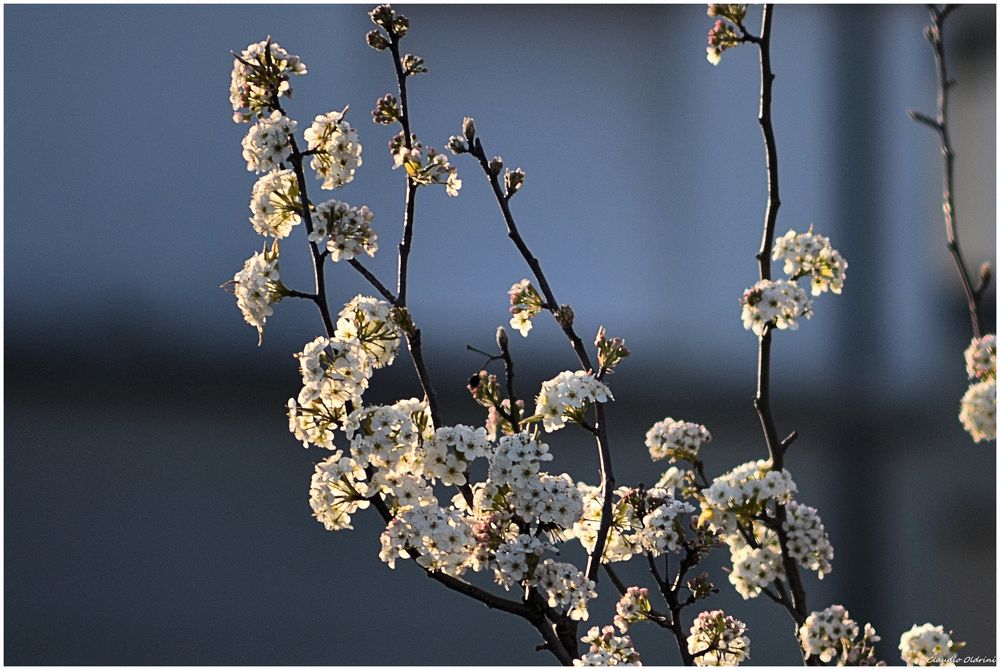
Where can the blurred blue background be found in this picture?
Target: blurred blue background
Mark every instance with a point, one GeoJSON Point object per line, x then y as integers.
{"type": "Point", "coordinates": [155, 506]}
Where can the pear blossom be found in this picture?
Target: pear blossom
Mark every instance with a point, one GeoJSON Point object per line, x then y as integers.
{"type": "Point", "coordinates": [261, 75]}
{"type": "Point", "coordinates": [606, 648]}
{"type": "Point", "coordinates": [566, 396]}
{"type": "Point", "coordinates": [928, 645]}
{"type": "Point", "coordinates": [718, 639]}
{"type": "Point", "coordinates": [979, 410]}
{"type": "Point", "coordinates": [981, 357]}
{"type": "Point", "coordinates": [258, 286]}
{"type": "Point", "coordinates": [267, 143]}
{"type": "Point", "coordinates": [338, 150]}
{"type": "Point", "coordinates": [338, 489]}
{"type": "Point", "coordinates": [809, 254]}
{"type": "Point", "coordinates": [368, 321]}
{"type": "Point", "coordinates": [274, 204]}
{"type": "Point", "coordinates": [344, 230]}
{"type": "Point", "coordinates": [777, 303]}
{"type": "Point", "coordinates": [676, 440]}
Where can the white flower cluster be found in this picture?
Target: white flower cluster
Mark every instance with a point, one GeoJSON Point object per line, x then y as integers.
{"type": "Point", "coordinates": [516, 560]}
{"type": "Point", "coordinates": [632, 607]}
{"type": "Point", "coordinates": [442, 537]}
{"type": "Point", "coordinates": [811, 255]}
{"type": "Point", "coordinates": [676, 440]}
{"type": "Point", "coordinates": [565, 587]}
{"type": "Point", "coordinates": [808, 542]}
{"type": "Point", "coordinates": [257, 286]}
{"type": "Point", "coordinates": [718, 639]}
{"type": "Point", "coordinates": [565, 397]}
{"type": "Point", "coordinates": [606, 648]}
{"type": "Point", "coordinates": [368, 322]}
{"type": "Point", "coordinates": [525, 304]}
{"type": "Point", "coordinates": [662, 529]}
{"type": "Point", "coordinates": [979, 410]}
{"type": "Point", "coordinates": [425, 167]}
{"type": "Point", "coordinates": [338, 489]}
{"type": "Point", "coordinates": [658, 531]}
{"type": "Point", "coordinates": [274, 204]}
{"type": "Point", "coordinates": [338, 150]}
{"type": "Point", "coordinates": [754, 568]}
{"type": "Point", "coordinates": [447, 454]}
{"type": "Point", "coordinates": [743, 492]}
{"type": "Point", "coordinates": [732, 506]}
{"type": "Point", "coordinates": [517, 486]}
{"type": "Point", "coordinates": [827, 632]}
{"type": "Point", "coordinates": [267, 142]}
{"type": "Point", "coordinates": [928, 645]}
{"type": "Point", "coordinates": [260, 74]}
{"type": "Point", "coordinates": [345, 231]}
{"type": "Point", "coordinates": [979, 404]}
{"type": "Point", "coordinates": [981, 357]}
{"type": "Point", "coordinates": [779, 303]}
{"type": "Point", "coordinates": [382, 436]}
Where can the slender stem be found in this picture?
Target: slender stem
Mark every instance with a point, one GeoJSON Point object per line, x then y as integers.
{"type": "Point", "coordinates": [935, 35]}
{"type": "Point", "coordinates": [508, 367]}
{"type": "Point", "coordinates": [374, 281]}
{"type": "Point", "coordinates": [566, 323]}
{"type": "Point", "coordinates": [762, 399]}
{"type": "Point", "coordinates": [411, 186]}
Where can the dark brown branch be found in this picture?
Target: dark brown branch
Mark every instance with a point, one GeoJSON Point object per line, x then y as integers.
{"type": "Point", "coordinates": [762, 398]}
{"type": "Point", "coordinates": [566, 323]}
{"type": "Point", "coordinates": [973, 295]}
{"type": "Point", "coordinates": [374, 281]}
{"type": "Point", "coordinates": [508, 367]}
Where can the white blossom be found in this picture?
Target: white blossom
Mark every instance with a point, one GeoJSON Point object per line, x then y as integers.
{"type": "Point", "coordinates": [663, 528]}
{"type": "Point", "coordinates": [267, 143]}
{"type": "Point", "coordinates": [928, 645]}
{"type": "Point", "coordinates": [755, 568]}
{"type": "Point", "coordinates": [565, 587]}
{"type": "Point", "coordinates": [566, 396]}
{"type": "Point", "coordinates": [827, 632]}
{"type": "Point", "coordinates": [808, 542]}
{"type": "Point", "coordinates": [335, 371]}
{"type": "Point", "coordinates": [338, 489]}
{"type": "Point", "coordinates": [345, 231]}
{"type": "Point", "coordinates": [606, 648]}
{"type": "Point", "coordinates": [778, 303]}
{"type": "Point", "coordinates": [517, 559]}
{"type": "Point", "coordinates": [368, 322]}
{"type": "Point", "coordinates": [743, 492]}
{"type": "Point", "coordinates": [338, 149]}
{"type": "Point", "coordinates": [441, 536]}
{"type": "Point", "coordinates": [810, 255]}
{"type": "Point", "coordinates": [676, 440]}
{"type": "Point", "coordinates": [525, 304]}
{"type": "Point", "coordinates": [979, 410]}
{"type": "Point", "coordinates": [274, 204]}
{"type": "Point", "coordinates": [981, 357]}
{"type": "Point", "coordinates": [632, 607]}
{"type": "Point", "coordinates": [382, 436]}
{"type": "Point", "coordinates": [258, 286]}
{"type": "Point", "coordinates": [260, 74]}
{"type": "Point", "coordinates": [424, 166]}
{"type": "Point", "coordinates": [718, 639]}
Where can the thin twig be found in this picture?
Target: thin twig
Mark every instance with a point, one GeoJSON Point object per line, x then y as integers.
{"type": "Point", "coordinates": [762, 402]}
{"type": "Point", "coordinates": [973, 295]}
{"type": "Point", "coordinates": [566, 323]}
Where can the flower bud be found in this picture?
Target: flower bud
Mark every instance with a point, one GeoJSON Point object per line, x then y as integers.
{"type": "Point", "coordinates": [564, 316]}
{"type": "Point", "coordinates": [376, 40]}
{"type": "Point", "coordinates": [386, 110]}
{"type": "Point", "coordinates": [495, 165]}
{"type": "Point", "coordinates": [985, 274]}
{"type": "Point", "coordinates": [502, 340]}
{"type": "Point", "coordinates": [457, 145]}
{"type": "Point", "coordinates": [513, 180]}
{"type": "Point", "coordinates": [413, 65]}
{"type": "Point", "coordinates": [469, 128]}
{"type": "Point", "coordinates": [383, 16]}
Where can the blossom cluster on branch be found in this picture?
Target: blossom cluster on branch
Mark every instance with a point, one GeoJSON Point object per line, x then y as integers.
{"type": "Point", "coordinates": [461, 499]}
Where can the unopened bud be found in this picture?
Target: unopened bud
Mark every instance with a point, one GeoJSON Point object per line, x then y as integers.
{"type": "Point", "coordinates": [383, 16]}
{"type": "Point", "coordinates": [495, 165]}
{"type": "Point", "coordinates": [502, 338]}
{"type": "Point", "coordinates": [457, 145]}
{"type": "Point", "coordinates": [469, 128]}
{"type": "Point", "coordinates": [513, 181]}
{"type": "Point", "coordinates": [564, 315]}
{"type": "Point", "coordinates": [376, 40]}
{"type": "Point", "coordinates": [985, 274]}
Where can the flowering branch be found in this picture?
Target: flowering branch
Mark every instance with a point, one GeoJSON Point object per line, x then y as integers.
{"type": "Point", "coordinates": [973, 295]}
{"type": "Point", "coordinates": [563, 315]}
{"type": "Point", "coordinates": [762, 399]}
